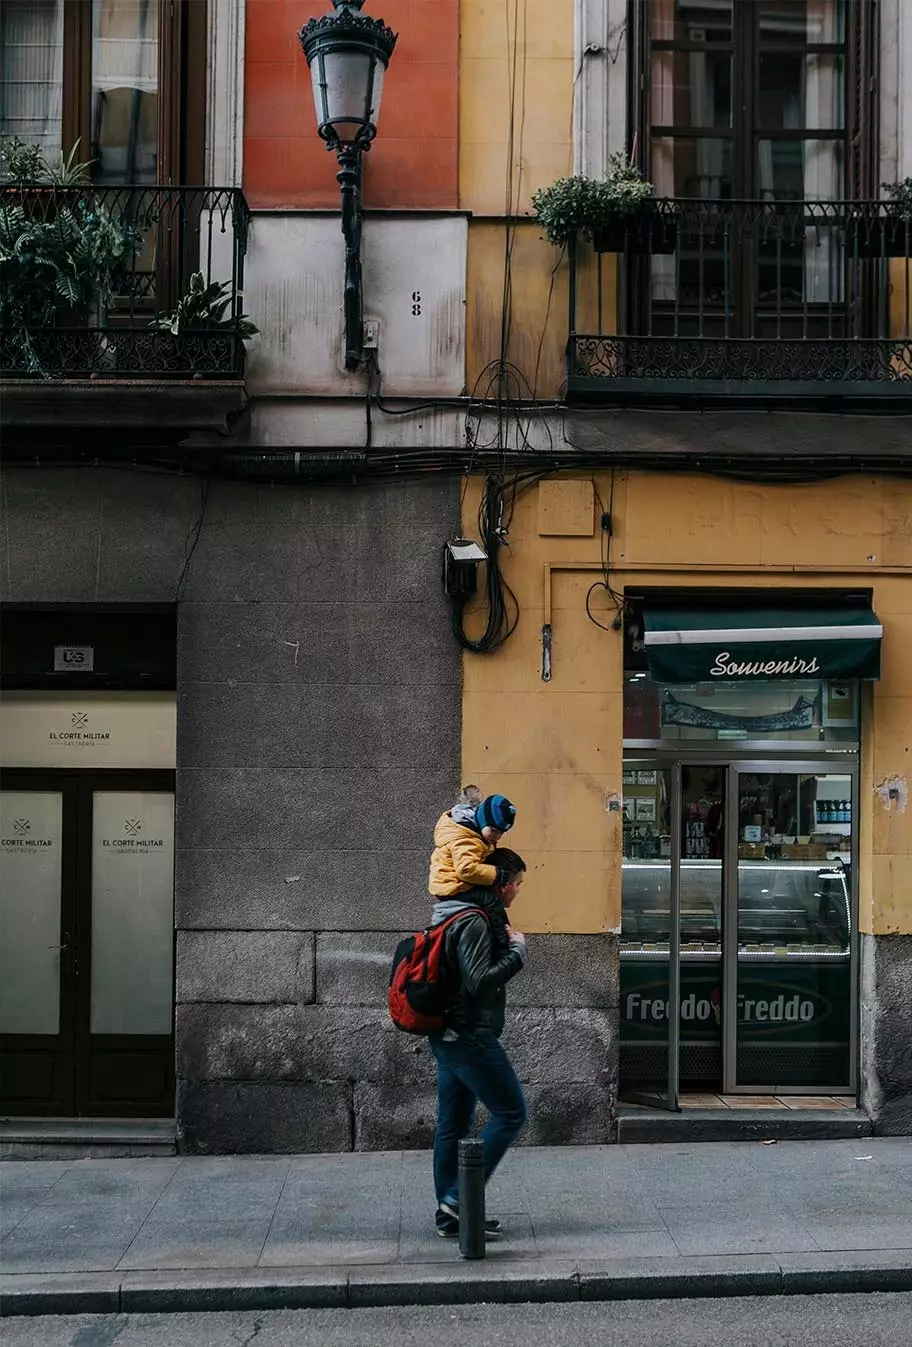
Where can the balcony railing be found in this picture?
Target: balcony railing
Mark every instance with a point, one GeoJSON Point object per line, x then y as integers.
{"type": "Point", "coordinates": [763, 299]}
{"type": "Point", "coordinates": [167, 233]}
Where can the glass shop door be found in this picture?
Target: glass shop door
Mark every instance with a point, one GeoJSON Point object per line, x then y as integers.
{"type": "Point", "coordinates": [789, 986]}
{"type": "Point", "coordinates": [86, 955]}
{"type": "Point", "coordinates": [671, 928]}
{"type": "Point", "coordinates": [651, 934]}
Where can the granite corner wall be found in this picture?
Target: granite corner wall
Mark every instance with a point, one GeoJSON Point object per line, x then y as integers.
{"type": "Point", "coordinates": [319, 718]}
{"type": "Point", "coordinates": [886, 1032]}
{"type": "Point", "coordinates": [324, 1069]}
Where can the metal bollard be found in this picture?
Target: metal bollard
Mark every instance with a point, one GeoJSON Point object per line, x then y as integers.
{"type": "Point", "coordinates": [471, 1199]}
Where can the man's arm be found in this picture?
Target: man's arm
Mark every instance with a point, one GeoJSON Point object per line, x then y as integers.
{"type": "Point", "coordinates": [479, 971]}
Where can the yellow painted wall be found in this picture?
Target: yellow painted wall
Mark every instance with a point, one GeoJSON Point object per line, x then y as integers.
{"type": "Point", "coordinates": [556, 748]}
{"type": "Point", "coordinates": [515, 71]}
{"type": "Point", "coordinates": [513, 56]}
{"type": "Point", "coordinates": [537, 300]}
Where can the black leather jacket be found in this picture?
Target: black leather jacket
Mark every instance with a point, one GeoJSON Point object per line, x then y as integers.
{"type": "Point", "coordinates": [481, 1000]}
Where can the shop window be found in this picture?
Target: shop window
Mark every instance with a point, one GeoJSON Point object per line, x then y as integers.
{"type": "Point", "coordinates": [740, 712]}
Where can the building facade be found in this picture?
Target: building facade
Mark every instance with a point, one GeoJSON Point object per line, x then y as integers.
{"type": "Point", "coordinates": [235, 693]}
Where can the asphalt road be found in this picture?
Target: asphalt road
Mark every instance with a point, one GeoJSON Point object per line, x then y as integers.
{"type": "Point", "coordinates": [773, 1321]}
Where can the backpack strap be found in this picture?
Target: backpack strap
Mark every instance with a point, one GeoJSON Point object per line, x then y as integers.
{"type": "Point", "coordinates": [448, 921]}
{"type": "Point", "coordinates": [444, 926]}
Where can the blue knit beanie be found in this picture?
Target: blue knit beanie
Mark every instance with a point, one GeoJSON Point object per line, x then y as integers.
{"type": "Point", "coordinates": [496, 811]}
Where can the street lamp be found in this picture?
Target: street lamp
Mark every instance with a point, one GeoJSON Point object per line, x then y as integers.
{"type": "Point", "coordinates": [348, 54]}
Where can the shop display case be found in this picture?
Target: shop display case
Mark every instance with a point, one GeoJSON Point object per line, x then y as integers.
{"type": "Point", "coordinates": [790, 909]}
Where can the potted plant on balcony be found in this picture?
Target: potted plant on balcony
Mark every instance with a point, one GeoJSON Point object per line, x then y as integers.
{"type": "Point", "coordinates": [201, 311]}
{"type": "Point", "coordinates": [616, 213]}
{"type": "Point", "coordinates": [62, 255]}
{"type": "Point", "coordinates": [889, 232]}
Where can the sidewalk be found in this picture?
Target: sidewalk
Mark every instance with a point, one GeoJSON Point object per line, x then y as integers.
{"type": "Point", "coordinates": [357, 1229]}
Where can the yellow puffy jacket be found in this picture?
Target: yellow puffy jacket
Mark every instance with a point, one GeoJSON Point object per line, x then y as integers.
{"type": "Point", "coordinates": [457, 861]}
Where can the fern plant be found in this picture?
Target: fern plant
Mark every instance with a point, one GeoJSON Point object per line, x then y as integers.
{"type": "Point", "coordinates": [205, 307]}
{"type": "Point", "coordinates": [61, 259]}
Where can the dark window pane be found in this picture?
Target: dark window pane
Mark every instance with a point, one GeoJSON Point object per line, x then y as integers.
{"type": "Point", "coordinates": [31, 72]}
{"type": "Point", "coordinates": [125, 91]}
{"type": "Point", "coordinates": [801, 92]}
{"type": "Point", "coordinates": [691, 88]}
{"type": "Point", "coordinates": [691, 21]}
{"type": "Point", "coordinates": [801, 21]}
{"type": "Point", "coordinates": [692, 166]}
{"type": "Point", "coordinates": [800, 170]}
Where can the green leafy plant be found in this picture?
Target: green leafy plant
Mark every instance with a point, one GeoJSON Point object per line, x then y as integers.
{"type": "Point", "coordinates": [900, 194]}
{"type": "Point", "coordinates": [25, 165]}
{"type": "Point", "coordinates": [205, 307]}
{"type": "Point", "coordinates": [62, 254]}
{"type": "Point", "coordinates": [573, 206]}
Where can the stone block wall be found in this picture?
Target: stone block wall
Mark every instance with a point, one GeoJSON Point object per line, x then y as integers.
{"type": "Point", "coordinates": [324, 1052]}
{"type": "Point", "coordinates": [886, 1032]}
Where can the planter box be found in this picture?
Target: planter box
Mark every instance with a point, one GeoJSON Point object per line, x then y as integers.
{"type": "Point", "coordinates": [887, 236]}
{"type": "Point", "coordinates": [637, 234]}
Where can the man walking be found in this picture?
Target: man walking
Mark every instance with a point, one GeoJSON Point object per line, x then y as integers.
{"type": "Point", "coordinates": [472, 1065]}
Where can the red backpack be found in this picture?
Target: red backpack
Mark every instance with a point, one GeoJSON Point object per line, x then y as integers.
{"type": "Point", "coordinates": [421, 985]}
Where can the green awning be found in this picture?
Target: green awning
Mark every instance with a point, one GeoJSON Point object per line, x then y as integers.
{"type": "Point", "coordinates": [700, 645]}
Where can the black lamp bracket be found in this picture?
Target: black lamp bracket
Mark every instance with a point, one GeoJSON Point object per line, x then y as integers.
{"type": "Point", "coordinates": [349, 180]}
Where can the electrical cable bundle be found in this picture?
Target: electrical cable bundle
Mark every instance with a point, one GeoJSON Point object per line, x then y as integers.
{"type": "Point", "coordinates": [502, 606]}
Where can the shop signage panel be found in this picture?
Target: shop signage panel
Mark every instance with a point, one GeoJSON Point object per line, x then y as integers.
{"type": "Point", "coordinates": [706, 645]}
{"type": "Point", "coordinates": [74, 659]}
{"type": "Point", "coordinates": [124, 729]}
{"type": "Point", "coordinates": [781, 1001]}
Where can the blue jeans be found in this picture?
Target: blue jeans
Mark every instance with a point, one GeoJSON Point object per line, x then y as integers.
{"type": "Point", "coordinates": [473, 1067]}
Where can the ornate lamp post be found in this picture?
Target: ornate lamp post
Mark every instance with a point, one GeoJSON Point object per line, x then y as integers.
{"type": "Point", "coordinates": [348, 54]}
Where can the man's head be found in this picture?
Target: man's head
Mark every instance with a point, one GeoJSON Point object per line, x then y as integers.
{"type": "Point", "coordinates": [495, 816]}
{"type": "Point", "coordinates": [514, 867]}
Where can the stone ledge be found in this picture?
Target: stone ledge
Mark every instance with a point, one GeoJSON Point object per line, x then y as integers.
{"type": "Point", "coordinates": [499, 1279]}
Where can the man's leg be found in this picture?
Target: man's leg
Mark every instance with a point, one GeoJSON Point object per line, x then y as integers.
{"type": "Point", "coordinates": [481, 1065]}
{"type": "Point", "coordinates": [497, 1087]}
{"type": "Point", "coordinates": [455, 1115]}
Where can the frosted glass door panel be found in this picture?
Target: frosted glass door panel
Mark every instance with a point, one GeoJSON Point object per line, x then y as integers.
{"type": "Point", "coordinates": [132, 912]}
{"type": "Point", "coordinates": [30, 871]}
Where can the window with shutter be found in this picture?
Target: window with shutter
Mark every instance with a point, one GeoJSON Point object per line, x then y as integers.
{"type": "Point", "coordinates": [124, 78]}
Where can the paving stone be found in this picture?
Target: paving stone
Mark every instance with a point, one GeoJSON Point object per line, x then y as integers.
{"type": "Point", "coordinates": [189, 1241]}
{"type": "Point", "coordinates": [862, 1231]}
{"type": "Point", "coordinates": [82, 1235]}
{"type": "Point", "coordinates": [725, 1228]}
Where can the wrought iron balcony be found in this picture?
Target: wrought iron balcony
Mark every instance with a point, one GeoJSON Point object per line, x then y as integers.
{"type": "Point", "coordinates": [767, 301]}
{"type": "Point", "coordinates": [150, 240]}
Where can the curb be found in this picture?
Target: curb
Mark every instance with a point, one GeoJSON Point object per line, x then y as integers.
{"type": "Point", "coordinates": [430, 1284]}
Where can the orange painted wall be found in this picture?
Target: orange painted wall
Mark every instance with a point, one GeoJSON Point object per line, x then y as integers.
{"type": "Point", "coordinates": [413, 163]}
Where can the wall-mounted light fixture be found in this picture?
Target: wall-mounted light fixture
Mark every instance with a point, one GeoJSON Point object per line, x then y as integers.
{"type": "Point", "coordinates": [348, 54]}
